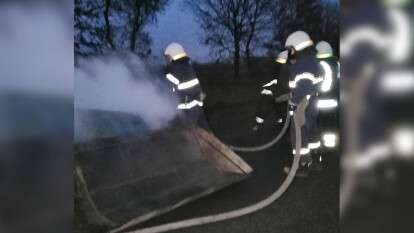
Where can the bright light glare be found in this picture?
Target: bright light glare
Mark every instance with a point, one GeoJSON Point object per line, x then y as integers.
{"type": "Point", "coordinates": [398, 82]}
{"type": "Point", "coordinates": [329, 140]}
{"type": "Point", "coordinates": [327, 103]}
{"type": "Point", "coordinates": [403, 140]}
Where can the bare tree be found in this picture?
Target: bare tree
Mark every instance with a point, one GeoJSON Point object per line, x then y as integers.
{"type": "Point", "coordinates": [102, 25]}
{"type": "Point", "coordinates": [258, 15]}
{"type": "Point", "coordinates": [331, 25]}
{"type": "Point", "coordinates": [141, 13]}
{"type": "Point", "coordinates": [319, 18]}
{"type": "Point", "coordinates": [88, 31]}
{"type": "Point", "coordinates": [108, 32]}
{"type": "Point", "coordinates": [229, 24]}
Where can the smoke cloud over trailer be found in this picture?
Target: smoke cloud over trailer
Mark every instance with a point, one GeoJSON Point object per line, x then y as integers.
{"type": "Point", "coordinates": [120, 84]}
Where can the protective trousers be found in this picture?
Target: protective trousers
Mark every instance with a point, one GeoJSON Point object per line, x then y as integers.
{"type": "Point", "coordinates": [308, 117]}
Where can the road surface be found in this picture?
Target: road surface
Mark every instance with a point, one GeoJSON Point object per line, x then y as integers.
{"type": "Point", "coordinates": [310, 205]}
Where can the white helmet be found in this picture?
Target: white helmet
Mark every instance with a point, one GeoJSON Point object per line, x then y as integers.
{"type": "Point", "coordinates": [175, 51]}
{"type": "Point", "coordinates": [299, 40]}
{"type": "Point", "coordinates": [282, 57]}
{"type": "Point", "coordinates": [324, 50]}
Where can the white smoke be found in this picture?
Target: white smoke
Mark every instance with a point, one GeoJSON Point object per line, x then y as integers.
{"type": "Point", "coordinates": [36, 61]}
{"type": "Point", "coordinates": [122, 85]}
{"type": "Point", "coordinates": [36, 50]}
{"type": "Point", "coordinates": [36, 108]}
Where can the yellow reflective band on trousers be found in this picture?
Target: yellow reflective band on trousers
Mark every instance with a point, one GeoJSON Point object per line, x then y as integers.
{"type": "Point", "coordinates": [314, 145]}
{"type": "Point", "coordinates": [303, 151]}
{"type": "Point", "coordinates": [190, 105]}
{"type": "Point", "coordinates": [266, 92]}
{"type": "Point", "coordinates": [259, 120]}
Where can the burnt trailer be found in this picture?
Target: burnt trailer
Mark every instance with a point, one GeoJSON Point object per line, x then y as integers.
{"type": "Point", "coordinates": [126, 173]}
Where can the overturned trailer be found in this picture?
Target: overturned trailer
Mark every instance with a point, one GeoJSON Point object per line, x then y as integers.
{"type": "Point", "coordinates": [126, 173]}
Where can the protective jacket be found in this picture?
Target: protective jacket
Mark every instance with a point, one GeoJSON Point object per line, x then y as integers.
{"type": "Point", "coordinates": [184, 82]}
{"type": "Point", "coordinates": [305, 77]}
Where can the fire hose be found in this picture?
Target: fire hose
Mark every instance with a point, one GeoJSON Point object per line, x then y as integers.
{"type": "Point", "coordinates": [279, 99]}
{"type": "Point", "coordinates": [267, 145]}
{"type": "Point", "coordinates": [239, 212]}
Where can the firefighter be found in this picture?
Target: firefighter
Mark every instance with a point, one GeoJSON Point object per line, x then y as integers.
{"type": "Point", "coordinates": [184, 82]}
{"type": "Point", "coordinates": [329, 64]}
{"type": "Point", "coordinates": [305, 76]}
{"type": "Point", "coordinates": [272, 90]}
{"type": "Point", "coordinates": [328, 95]}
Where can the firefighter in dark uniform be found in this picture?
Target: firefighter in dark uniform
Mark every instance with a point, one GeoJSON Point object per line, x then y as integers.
{"type": "Point", "coordinates": [328, 98]}
{"type": "Point", "coordinates": [305, 76]}
{"type": "Point", "coordinates": [184, 82]}
{"type": "Point", "coordinates": [328, 88]}
{"type": "Point", "coordinates": [271, 94]}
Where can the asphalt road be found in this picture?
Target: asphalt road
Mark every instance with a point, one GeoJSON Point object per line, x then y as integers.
{"type": "Point", "coordinates": [310, 205]}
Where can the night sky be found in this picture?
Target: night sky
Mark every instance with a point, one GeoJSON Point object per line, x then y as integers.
{"type": "Point", "coordinates": [177, 24]}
